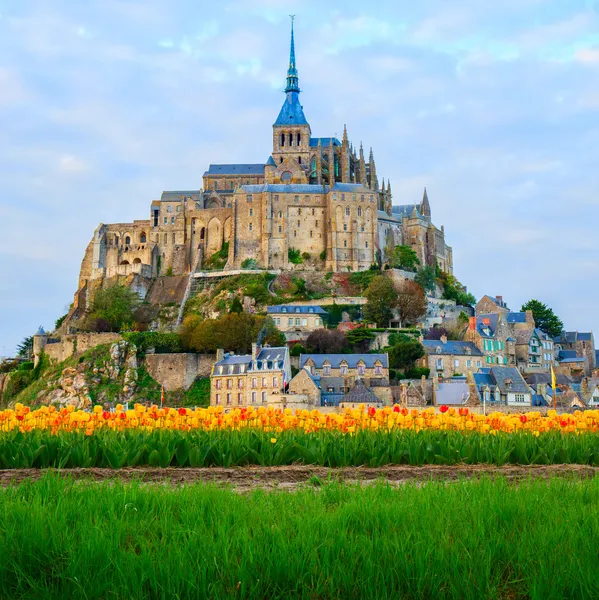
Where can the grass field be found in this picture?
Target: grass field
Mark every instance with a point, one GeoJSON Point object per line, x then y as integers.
{"type": "Point", "coordinates": [475, 539]}
{"type": "Point", "coordinates": [228, 448]}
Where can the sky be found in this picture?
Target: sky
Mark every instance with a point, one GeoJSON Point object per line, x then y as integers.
{"type": "Point", "coordinates": [494, 107]}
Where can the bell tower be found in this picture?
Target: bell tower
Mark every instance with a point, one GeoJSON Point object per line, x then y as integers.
{"type": "Point", "coordinates": [291, 131]}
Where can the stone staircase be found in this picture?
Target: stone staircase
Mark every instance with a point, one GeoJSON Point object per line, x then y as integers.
{"type": "Point", "coordinates": [191, 284]}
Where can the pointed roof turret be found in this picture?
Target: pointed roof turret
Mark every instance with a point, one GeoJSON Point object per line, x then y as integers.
{"type": "Point", "coordinates": [425, 207]}
{"type": "Point", "coordinates": [292, 112]}
{"type": "Point", "coordinates": [345, 140]}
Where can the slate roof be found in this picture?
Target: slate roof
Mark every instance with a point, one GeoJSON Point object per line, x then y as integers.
{"type": "Point", "coordinates": [498, 302]}
{"type": "Point", "coordinates": [538, 400]}
{"type": "Point", "coordinates": [175, 196]}
{"type": "Point", "coordinates": [563, 354]}
{"type": "Point", "coordinates": [406, 210]}
{"type": "Point", "coordinates": [352, 360]}
{"type": "Point", "coordinates": [575, 359]}
{"type": "Point", "coordinates": [360, 394]}
{"type": "Point", "coordinates": [516, 317]}
{"type": "Point", "coordinates": [304, 188]}
{"type": "Point", "coordinates": [324, 142]}
{"type": "Point", "coordinates": [451, 347]}
{"type": "Point", "coordinates": [570, 337]}
{"type": "Point", "coordinates": [453, 393]}
{"type": "Point", "coordinates": [292, 112]}
{"type": "Point", "coordinates": [236, 169]}
{"type": "Point", "coordinates": [383, 216]}
{"type": "Point", "coordinates": [302, 310]}
{"type": "Point", "coordinates": [536, 378]}
{"type": "Point", "coordinates": [493, 319]}
{"type": "Point", "coordinates": [497, 376]}
{"type": "Point", "coordinates": [236, 361]}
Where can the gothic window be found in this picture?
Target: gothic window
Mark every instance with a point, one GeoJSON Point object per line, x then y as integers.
{"type": "Point", "coordinates": [127, 241]}
{"type": "Point", "coordinates": [366, 245]}
{"type": "Point", "coordinates": [362, 228]}
{"type": "Point", "coordinates": [313, 212]}
{"type": "Point", "coordinates": [295, 234]}
{"type": "Point", "coordinates": [344, 226]}
{"type": "Point", "coordinates": [299, 160]}
{"type": "Point", "coordinates": [250, 227]}
{"type": "Point", "coordinates": [299, 138]}
{"type": "Point", "coordinates": [166, 220]}
{"type": "Point", "coordinates": [281, 160]}
{"type": "Point", "coordinates": [316, 223]}
{"type": "Point", "coordinates": [342, 197]}
{"type": "Point", "coordinates": [359, 211]}
{"type": "Point", "coordinates": [169, 209]}
{"type": "Point", "coordinates": [286, 176]}
{"type": "Point", "coordinates": [172, 220]}
{"type": "Point", "coordinates": [280, 214]}
{"type": "Point", "coordinates": [251, 212]}
{"type": "Point", "coordinates": [347, 212]}
{"type": "Point", "coordinates": [310, 233]}
{"type": "Point", "coordinates": [282, 141]}
{"type": "Point", "coordinates": [276, 197]}
{"type": "Point", "coordinates": [299, 211]}
{"type": "Point", "coordinates": [296, 198]}
{"type": "Point", "coordinates": [202, 233]}
{"type": "Point", "coordinates": [299, 223]}
{"type": "Point", "coordinates": [142, 238]}
{"type": "Point", "coordinates": [249, 197]}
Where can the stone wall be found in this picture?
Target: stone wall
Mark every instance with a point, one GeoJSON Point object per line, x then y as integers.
{"type": "Point", "coordinates": [68, 345]}
{"type": "Point", "coordinates": [178, 371]}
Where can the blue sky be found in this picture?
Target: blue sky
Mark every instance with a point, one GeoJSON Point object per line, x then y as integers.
{"type": "Point", "coordinates": [494, 107]}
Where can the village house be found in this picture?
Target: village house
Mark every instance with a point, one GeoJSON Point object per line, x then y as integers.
{"type": "Point", "coordinates": [336, 374]}
{"type": "Point", "coordinates": [491, 304]}
{"type": "Point", "coordinates": [297, 322]}
{"type": "Point", "coordinates": [492, 336]}
{"type": "Point", "coordinates": [501, 386]}
{"type": "Point", "coordinates": [241, 380]}
{"type": "Point", "coordinates": [570, 363]}
{"type": "Point", "coordinates": [447, 358]}
{"type": "Point", "coordinates": [583, 344]}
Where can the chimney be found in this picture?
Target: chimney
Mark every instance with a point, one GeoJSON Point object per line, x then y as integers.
{"type": "Point", "coordinates": [220, 355]}
{"type": "Point", "coordinates": [444, 339]}
{"type": "Point", "coordinates": [487, 321]}
{"type": "Point", "coordinates": [472, 324]}
{"type": "Point", "coordinates": [584, 387]}
{"type": "Point", "coordinates": [500, 300]}
{"type": "Point", "coordinates": [255, 351]}
{"type": "Point", "coordinates": [530, 320]}
{"type": "Point", "coordinates": [542, 389]}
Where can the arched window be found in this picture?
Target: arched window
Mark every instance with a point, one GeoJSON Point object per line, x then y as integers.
{"type": "Point", "coordinates": [286, 176]}
{"type": "Point", "coordinates": [359, 211]}
{"type": "Point", "coordinates": [291, 139]}
{"type": "Point", "coordinates": [299, 138]}
{"type": "Point", "coordinates": [281, 160]}
{"type": "Point", "coordinates": [282, 141]}
{"type": "Point", "coordinates": [124, 262]}
{"type": "Point", "coordinates": [347, 212]}
{"type": "Point", "coordinates": [202, 233]}
{"type": "Point", "coordinates": [143, 238]}
{"type": "Point", "coordinates": [137, 261]}
{"type": "Point", "coordinates": [299, 160]}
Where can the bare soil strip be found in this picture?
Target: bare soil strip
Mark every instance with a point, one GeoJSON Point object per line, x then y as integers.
{"type": "Point", "coordinates": [289, 477]}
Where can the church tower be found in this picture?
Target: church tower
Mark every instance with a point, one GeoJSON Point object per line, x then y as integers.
{"type": "Point", "coordinates": [291, 130]}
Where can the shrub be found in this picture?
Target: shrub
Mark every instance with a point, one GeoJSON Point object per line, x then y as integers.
{"type": "Point", "coordinates": [323, 255]}
{"type": "Point", "coordinates": [417, 372]}
{"type": "Point", "coordinates": [392, 374]}
{"type": "Point", "coordinates": [297, 350]}
{"type": "Point", "coordinates": [169, 272]}
{"type": "Point", "coordinates": [60, 321]}
{"type": "Point", "coordinates": [112, 309]}
{"type": "Point", "coordinates": [163, 343]}
{"type": "Point", "coordinates": [249, 263]}
{"type": "Point", "coordinates": [306, 256]}
{"type": "Point", "coordinates": [294, 256]}
{"type": "Point", "coordinates": [325, 341]}
{"type": "Point", "coordinates": [26, 366]}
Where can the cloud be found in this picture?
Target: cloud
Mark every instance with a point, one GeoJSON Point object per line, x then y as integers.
{"type": "Point", "coordinates": [72, 164]}
{"type": "Point", "coordinates": [589, 56]}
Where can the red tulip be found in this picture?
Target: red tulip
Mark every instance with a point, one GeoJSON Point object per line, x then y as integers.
{"type": "Point", "coordinates": [372, 411]}
{"type": "Point", "coordinates": [182, 412]}
{"type": "Point", "coordinates": [443, 408]}
{"type": "Point", "coordinates": [523, 419]}
{"type": "Point", "coordinates": [395, 408]}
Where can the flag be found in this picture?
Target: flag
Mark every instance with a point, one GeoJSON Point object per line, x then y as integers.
{"type": "Point", "coordinates": [553, 382]}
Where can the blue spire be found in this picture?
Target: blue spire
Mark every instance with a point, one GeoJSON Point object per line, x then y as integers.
{"type": "Point", "coordinates": [292, 78]}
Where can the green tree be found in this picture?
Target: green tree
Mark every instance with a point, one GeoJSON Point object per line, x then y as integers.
{"type": "Point", "coordinates": [404, 354]}
{"type": "Point", "coordinates": [545, 319]}
{"type": "Point", "coordinates": [454, 290]}
{"type": "Point", "coordinates": [25, 348]}
{"type": "Point", "coordinates": [360, 338]}
{"type": "Point", "coordinates": [236, 306]}
{"type": "Point", "coordinates": [425, 278]}
{"type": "Point", "coordinates": [381, 300]}
{"type": "Point", "coordinates": [297, 350]}
{"type": "Point", "coordinates": [404, 257]}
{"type": "Point", "coordinates": [112, 308]}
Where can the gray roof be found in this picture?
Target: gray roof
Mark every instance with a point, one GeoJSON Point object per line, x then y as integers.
{"type": "Point", "coordinates": [176, 196]}
{"type": "Point", "coordinates": [567, 355]}
{"type": "Point", "coordinates": [573, 359]}
{"type": "Point", "coordinates": [302, 310]}
{"type": "Point", "coordinates": [453, 393]}
{"type": "Point", "coordinates": [352, 360]}
{"type": "Point", "coordinates": [498, 376]}
{"type": "Point", "coordinates": [493, 319]}
{"type": "Point", "coordinates": [324, 142]}
{"type": "Point", "coordinates": [360, 394]}
{"type": "Point", "coordinates": [236, 361]}
{"type": "Point", "coordinates": [451, 347]}
{"type": "Point", "coordinates": [236, 169]}
{"type": "Point", "coordinates": [570, 337]}
{"type": "Point", "coordinates": [516, 317]}
{"type": "Point", "coordinates": [304, 188]}
{"type": "Point", "coordinates": [292, 112]}
{"type": "Point", "coordinates": [383, 216]}
{"type": "Point", "coordinates": [406, 210]}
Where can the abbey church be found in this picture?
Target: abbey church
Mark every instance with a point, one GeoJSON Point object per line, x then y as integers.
{"type": "Point", "coordinates": [314, 197]}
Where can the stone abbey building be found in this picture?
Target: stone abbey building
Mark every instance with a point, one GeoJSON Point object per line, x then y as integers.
{"type": "Point", "coordinates": [316, 196]}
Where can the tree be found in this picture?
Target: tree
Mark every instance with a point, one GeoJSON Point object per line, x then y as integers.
{"type": "Point", "coordinates": [411, 302]}
{"type": "Point", "coordinates": [545, 319]}
{"type": "Point", "coordinates": [381, 300]}
{"type": "Point", "coordinates": [435, 333]}
{"type": "Point", "coordinates": [360, 338]}
{"type": "Point", "coordinates": [454, 290]}
{"type": "Point", "coordinates": [404, 257]}
{"type": "Point", "coordinates": [405, 354]}
{"type": "Point", "coordinates": [236, 306]}
{"type": "Point", "coordinates": [425, 278]}
{"type": "Point", "coordinates": [25, 348]}
{"type": "Point", "coordinates": [112, 308]}
{"type": "Point", "coordinates": [326, 341]}
{"type": "Point", "coordinates": [297, 350]}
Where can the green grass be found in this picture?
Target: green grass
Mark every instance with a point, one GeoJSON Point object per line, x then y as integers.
{"type": "Point", "coordinates": [196, 448]}
{"type": "Point", "coordinates": [468, 540]}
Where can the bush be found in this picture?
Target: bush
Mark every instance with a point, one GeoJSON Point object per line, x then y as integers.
{"type": "Point", "coordinates": [163, 343]}
{"type": "Point", "coordinates": [362, 279]}
{"type": "Point", "coordinates": [26, 366]}
{"type": "Point", "coordinates": [324, 341]}
{"type": "Point", "coordinates": [294, 256]}
{"type": "Point", "coordinates": [60, 321]}
{"type": "Point", "coordinates": [417, 372]}
{"type": "Point", "coordinates": [249, 263]}
{"type": "Point", "coordinates": [323, 255]}
{"type": "Point", "coordinates": [392, 374]}
{"type": "Point", "coordinates": [112, 309]}
{"type": "Point", "coordinates": [297, 350]}
{"type": "Point", "coordinates": [306, 255]}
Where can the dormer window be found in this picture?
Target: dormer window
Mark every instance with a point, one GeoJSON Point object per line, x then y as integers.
{"type": "Point", "coordinates": [361, 368]}
{"type": "Point", "coordinates": [438, 349]}
{"type": "Point", "coordinates": [468, 351]}
{"type": "Point", "coordinates": [220, 370]}
{"type": "Point", "coordinates": [326, 369]}
{"type": "Point", "coordinates": [310, 310]}
{"type": "Point", "coordinates": [508, 383]}
{"type": "Point", "coordinates": [284, 310]}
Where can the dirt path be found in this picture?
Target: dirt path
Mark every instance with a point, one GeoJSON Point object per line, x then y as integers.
{"type": "Point", "coordinates": [246, 478]}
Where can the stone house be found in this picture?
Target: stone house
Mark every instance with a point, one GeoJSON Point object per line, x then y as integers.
{"type": "Point", "coordinates": [336, 374]}
{"type": "Point", "coordinates": [241, 380]}
{"type": "Point", "coordinates": [570, 363]}
{"type": "Point", "coordinates": [501, 386]}
{"type": "Point", "coordinates": [492, 335]}
{"type": "Point", "coordinates": [447, 358]}
{"type": "Point", "coordinates": [491, 304]}
{"type": "Point", "coordinates": [297, 322]}
{"type": "Point", "coordinates": [534, 350]}
{"type": "Point", "coordinates": [589, 391]}
{"type": "Point", "coordinates": [582, 343]}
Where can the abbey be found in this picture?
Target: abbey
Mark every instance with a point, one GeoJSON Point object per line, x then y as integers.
{"type": "Point", "coordinates": [318, 198]}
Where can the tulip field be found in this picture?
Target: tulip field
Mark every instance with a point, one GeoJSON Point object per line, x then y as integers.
{"type": "Point", "coordinates": [210, 437]}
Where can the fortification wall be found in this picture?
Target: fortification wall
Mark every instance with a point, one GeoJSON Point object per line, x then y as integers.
{"type": "Point", "coordinates": [178, 371]}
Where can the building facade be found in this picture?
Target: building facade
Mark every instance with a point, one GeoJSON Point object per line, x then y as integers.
{"type": "Point", "coordinates": [297, 322]}
{"type": "Point", "coordinates": [318, 198]}
{"type": "Point", "coordinates": [449, 358]}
